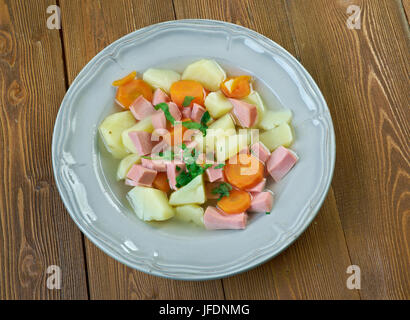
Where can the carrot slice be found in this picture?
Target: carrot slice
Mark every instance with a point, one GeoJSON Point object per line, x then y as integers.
{"type": "Point", "coordinates": [240, 87]}
{"type": "Point", "coordinates": [244, 171]}
{"type": "Point", "coordinates": [238, 201]}
{"type": "Point", "coordinates": [128, 92]}
{"type": "Point", "coordinates": [187, 88]}
{"type": "Point", "coordinates": [161, 182]}
{"type": "Point", "coordinates": [125, 80]}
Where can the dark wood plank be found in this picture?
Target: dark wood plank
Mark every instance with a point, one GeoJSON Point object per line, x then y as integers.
{"type": "Point", "coordinates": [35, 229]}
{"type": "Point", "coordinates": [314, 267]}
{"type": "Point", "coordinates": [86, 32]}
{"type": "Point", "coordinates": [364, 77]}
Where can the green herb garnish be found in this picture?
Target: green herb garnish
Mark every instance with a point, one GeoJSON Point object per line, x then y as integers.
{"type": "Point", "coordinates": [198, 126]}
{"type": "Point", "coordinates": [267, 212]}
{"type": "Point", "coordinates": [187, 101]}
{"type": "Point", "coordinates": [165, 108]}
{"type": "Point", "coordinates": [220, 166]}
{"type": "Point", "coordinates": [193, 169]}
{"type": "Point", "coordinates": [223, 190]}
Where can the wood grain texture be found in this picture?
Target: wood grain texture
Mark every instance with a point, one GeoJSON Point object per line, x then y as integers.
{"type": "Point", "coordinates": [315, 266]}
{"type": "Point", "coordinates": [35, 229]}
{"type": "Point", "coordinates": [86, 32]}
{"type": "Point", "coordinates": [364, 76]}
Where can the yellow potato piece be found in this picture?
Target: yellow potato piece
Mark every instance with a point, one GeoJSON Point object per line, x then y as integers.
{"type": "Point", "coordinates": [111, 129]}
{"type": "Point", "coordinates": [207, 72]}
{"type": "Point", "coordinates": [161, 78]}
{"type": "Point", "coordinates": [217, 104]}
{"type": "Point", "coordinates": [150, 204]}
{"type": "Point", "coordinates": [192, 193]}
{"type": "Point", "coordinates": [190, 213]}
{"type": "Point", "coordinates": [282, 135]}
{"type": "Point", "coordinates": [272, 119]}
{"type": "Point", "coordinates": [227, 147]}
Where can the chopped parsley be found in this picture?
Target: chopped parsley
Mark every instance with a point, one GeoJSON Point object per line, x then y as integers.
{"type": "Point", "coordinates": [193, 169]}
{"type": "Point", "coordinates": [267, 212]}
{"type": "Point", "coordinates": [223, 190]}
{"type": "Point", "coordinates": [220, 166]}
{"type": "Point", "coordinates": [187, 101]}
{"type": "Point", "coordinates": [165, 108]}
{"type": "Point", "coordinates": [199, 126]}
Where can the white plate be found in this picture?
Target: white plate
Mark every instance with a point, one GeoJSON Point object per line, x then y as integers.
{"type": "Point", "coordinates": [85, 175]}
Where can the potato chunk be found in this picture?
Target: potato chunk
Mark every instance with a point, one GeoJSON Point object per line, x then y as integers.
{"type": "Point", "coordinates": [207, 72]}
{"type": "Point", "coordinates": [126, 164]}
{"type": "Point", "coordinates": [280, 136]}
{"type": "Point", "coordinates": [112, 128]}
{"type": "Point", "coordinates": [227, 147]}
{"type": "Point", "coordinates": [150, 204]}
{"type": "Point", "coordinates": [217, 104]}
{"type": "Point", "coordinates": [161, 78]}
{"type": "Point", "coordinates": [190, 213]}
{"type": "Point", "coordinates": [272, 119]}
{"type": "Point", "coordinates": [193, 192]}
{"type": "Point", "coordinates": [143, 125]}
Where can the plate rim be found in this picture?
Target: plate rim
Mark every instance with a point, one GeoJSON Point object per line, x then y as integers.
{"type": "Point", "coordinates": [110, 50]}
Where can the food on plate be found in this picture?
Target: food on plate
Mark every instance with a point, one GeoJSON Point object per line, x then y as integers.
{"type": "Point", "coordinates": [199, 148]}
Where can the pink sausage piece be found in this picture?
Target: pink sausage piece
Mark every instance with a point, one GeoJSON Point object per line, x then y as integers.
{"type": "Point", "coordinates": [159, 97]}
{"type": "Point", "coordinates": [174, 111]}
{"type": "Point", "coordinates": [215, 219]}
{"type": "Point", "coordinates": [197, 113]}
{"type": "Point", "coordinates": [160, 147]}
{"type": "Point", "coordinates": [141, 175]}
{"type": "Point", "coordinates": [186, 112]}
{"type": "Point", "coordinates": [141, 108]}
{"type": "Point", "coordinates": [142, 142]}
{"type": "Point", "coordinates": [158, 120]}
{"type": "Point", "coordinates": [261, 202]}
{"type": "Point", "coordinates": [173, 172]}
{"type": "Point", "coordinates": [214, 174]}
{"type": "Point", "coordinates": [157, 165]}
{"type": "Point", "coordinates": [246, 114]}
{"type": "Point", "coordinates": [280, 162]}
{"type": "Point", "coordinates": [259, 187]}
{"type": "Point", "coordinates": [260, 151]}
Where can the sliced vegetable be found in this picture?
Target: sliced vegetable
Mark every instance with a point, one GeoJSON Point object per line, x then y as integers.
{"type": "Point", "coordinates": [238, 87]}
{"type": "Point", "coordinates": [190, 213]}
{"type": "Point", "coordinates": [161, 182]}
{"type": "Point", "coordinates": [282, 135]}
{"type": "Point", "coordinates": [244, 171]}
{"type": "Point", "coordinates": [217, 104]}
{"type": "Point", "coordinates": [150, 204]}
{"type": "Point", "coordinates": [193, 192]}
{"type": "Point", "coordinates": [161, 78]}
{"type": "Point", "coordinates": [272, 119]}
{"type": "Point", "coordinates": [128, 92]}
{"type": "Point", "coordinates": [111, 130]}
{"type": "Point", "coordinates": [255, 99]}
{"type": "Point", "coordinates": [238, 201]}
{"type": "Point", "coordinates": [208, 72]}
{"type": "Point", "coordinates": [125, 80]}
{"type": "Point", "coordinates": [187, 88]}
{"type": "Point", "coordinates": [143, 125]}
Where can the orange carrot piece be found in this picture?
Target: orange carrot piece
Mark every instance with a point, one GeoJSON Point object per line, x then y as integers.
{"type": "Point", "coordinates": [240, 87]}
{"type": "Point", "coordinates": [244, 171]}
{"type": "Point", "coordinates": [125, 80]}
{"type": "Point", "coordinates": [238, 201]}
{"type": "Point", "coordinates": [161, 182]}
{"type": "Point", "coordinates": [128, 92]}
{"type": "Point", "coordinates": [187, 88]}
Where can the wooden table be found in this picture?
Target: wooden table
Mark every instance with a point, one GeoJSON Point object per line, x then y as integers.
{"type": "Point", "coordinates": [363, 74]}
